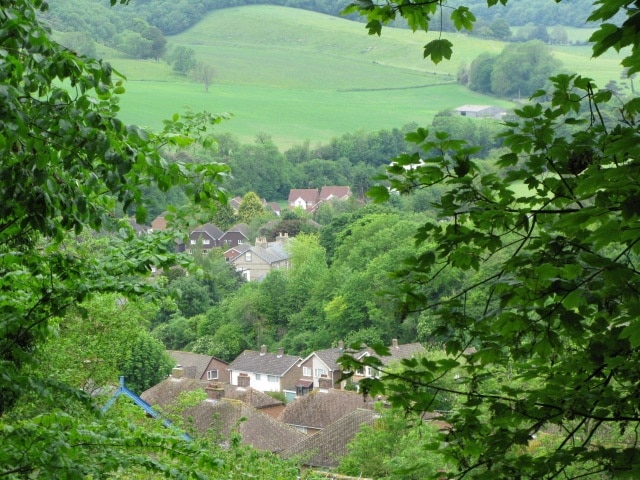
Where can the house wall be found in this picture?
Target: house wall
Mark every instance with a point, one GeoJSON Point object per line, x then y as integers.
{"type": "Point", "coordinates": [263, 384]}
{"type": "Point", "coordinates": [232, 239]}
{"type": "Point", "coordinates": [291, 377]}
{"type": "Point", "coordinates": [223, 372]}
{"type": "Point", "coordinates": [257, 266]}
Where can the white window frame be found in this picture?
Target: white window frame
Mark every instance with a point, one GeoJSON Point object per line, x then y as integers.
{"type": "Point", "coordinates": [320, 371]}
{"type": "Point", "coordinates": [258, 377]}
{"type": "Point", "coordinates": [193, 242]}
{"type": "Point", "coordinates": [273, 378]}
{"type": "Point", "coordinates": [240, 242]}
{"type": "Point", "coordinates": [247, 257]}
{"type": "Point", "coordinates": [206, 241]}
{"type": "Point", "coordinates": [306, 371]}
{"type": "Point", "coordinates": [212, 374]}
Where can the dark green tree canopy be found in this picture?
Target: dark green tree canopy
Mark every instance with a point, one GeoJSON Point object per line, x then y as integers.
{"type": "Point", "coordinates": [544, 333]}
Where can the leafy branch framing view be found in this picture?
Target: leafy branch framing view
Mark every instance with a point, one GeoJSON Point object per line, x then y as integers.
{"type": "Point", "coordinates": [542, 343]}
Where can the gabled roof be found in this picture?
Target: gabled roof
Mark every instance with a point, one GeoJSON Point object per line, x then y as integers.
{"type": "Point", "coordinates": [275, 252]}
{"type": "Point", "coordinates": [321, 409]}
{"type": "Point", "coordinates": [211, 230]}
{"type": "Point", "coordinates": [250, 396]}
{"type": "Point", "coordinates": [267, 363]}
{"type": "Point", "coordinates": [306, 194]}
{"type": "Point", "coordinates": [194, 364]}
{"type": "Point", "coordinates": [401, 352]}
{"type": "Point", "coordinates": [329, 356]}
{"type": "Point", "coordinates": [242, 228]}
{"type": "Point", "coordinates": [169, 389]}
{"type": "Point", "coordinates": [328, 446]}
{"type": "Point", "coordinates": [256, 428]}
{"type": "Point", "coordinates": [235, 202]}
{"type": "Point", "coordinates": [238, 250]}
{"type": "Point", "coordinates": [337, 192]}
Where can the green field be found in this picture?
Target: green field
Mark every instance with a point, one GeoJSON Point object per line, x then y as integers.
{"type": "Point", "coordinates": [298, 75]}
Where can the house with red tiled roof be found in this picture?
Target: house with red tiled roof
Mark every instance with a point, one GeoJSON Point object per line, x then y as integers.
{"type": "Point", "coordinates": [304, 198]}
{"type": "Point", "coordinates": [310, 199]}
{"type": "Point", "coordinates": [329, 194]}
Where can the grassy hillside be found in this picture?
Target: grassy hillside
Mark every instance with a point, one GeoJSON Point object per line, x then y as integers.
{"type": "Point", "coordinates": [300, 75]}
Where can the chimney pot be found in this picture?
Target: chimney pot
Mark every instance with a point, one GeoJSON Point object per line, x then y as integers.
{"type": "Point", "coordinates": [280, 352]}
{"type": "Point", "coordinates": [394, 343]}
{"type": "Point", "coordinates": [177, 371]}
{"type": "Point", "coordinates": [263, 349]}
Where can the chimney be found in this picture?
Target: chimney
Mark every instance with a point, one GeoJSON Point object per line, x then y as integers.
{"type": "Point", "coordinates": [177, 371]}
{"type": "Point", "coordinates": [341, 345]}
{"type": "Point", "coordinates": [214, 391]}
{"type": "Point", "coordinates": [263, 349]}
{"type": "Point", "coordinates": [261, 242]}
{"type": "Point", "coordinates": [394, 343]}
{"type": "Point", "coordinates": [280, 352]}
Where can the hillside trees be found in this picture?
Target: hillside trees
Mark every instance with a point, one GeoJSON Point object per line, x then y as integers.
{"type": "Point", "coordinates": [519, 70]}
{"type": "Point", "coordinates": [556, 317]}
{"type": "Point", "coordinates": [67, 163]}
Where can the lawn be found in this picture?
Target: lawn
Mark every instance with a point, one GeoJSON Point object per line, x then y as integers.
{"type": "Point", "coordinates": [298, 75]}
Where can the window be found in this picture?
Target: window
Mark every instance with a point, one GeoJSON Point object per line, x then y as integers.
{"type": "Point", "coordinates": [306, 371]}
{"type": "Point", "coordinates": [273, 378]}
{"type": "Point", "coordinates": [239, 242]}
{"type": "Point", "coordinates": [193, 242]}
{"type": "Point", "coordinates": [212, 375]}
{"type": "Point", "coordinates": [206, 241]}
{"type": "Point", "coordinates": [360, 371]}
{"type": "Point", "coordinates": [247, 257]}
{"type": "Point", "coordinates": [320, 372]}
{"type": "Point", "coordinates": [258, 376]}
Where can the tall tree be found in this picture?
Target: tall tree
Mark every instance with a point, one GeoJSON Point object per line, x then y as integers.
{"type": "Point", "coordinates": [67, 162]}
{"type": "Point", "coordinates": [555, 317]}
{"type": "Point", "coordinates": [251, 207]}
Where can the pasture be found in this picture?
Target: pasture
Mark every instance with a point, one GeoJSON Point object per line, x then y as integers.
{"type": "Point", "coordinates": [299, 75]}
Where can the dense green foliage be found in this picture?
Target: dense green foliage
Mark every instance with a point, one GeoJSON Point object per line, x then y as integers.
{"type": "Point", "coordinates": [549, 250]}
{"type": "Point", "coordinates": [518, 71]}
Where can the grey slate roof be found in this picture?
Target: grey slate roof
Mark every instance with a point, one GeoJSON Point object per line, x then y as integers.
{"type": "Point", "coordinates": [267, 363]}
{"type": "Point", "coordinates": [330, 356]}
{"type": "Point", "coordinates": [328, 446]}
{"type": "Point", "coordinates": [320, 409]}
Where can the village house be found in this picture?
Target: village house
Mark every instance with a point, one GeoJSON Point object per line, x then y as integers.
{"type": "Point", "coordinates": [256, 261]}
{"type": "Point", "coordinates": [309, 199]}
{"type": "Point", "coordinates": [266, 372]}
{"type": "Point", "coordinates": [201, 367]}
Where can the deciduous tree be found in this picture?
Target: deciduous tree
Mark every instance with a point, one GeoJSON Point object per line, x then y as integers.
{"type": "Point", "coordinates": [558, 310]}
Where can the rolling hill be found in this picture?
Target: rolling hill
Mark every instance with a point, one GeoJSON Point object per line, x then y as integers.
{"type": "Point", "coordinates": [298, 75]}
